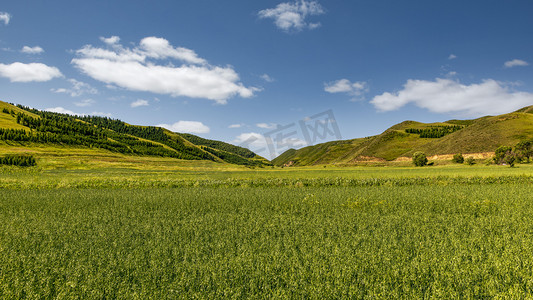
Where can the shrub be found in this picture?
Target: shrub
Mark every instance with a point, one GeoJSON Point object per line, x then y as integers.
{"type": "Point", "coordinates": [458, 158]}
{"type": "Point", "coordinates": [470, 161]}
{"type": "Point", "coordinates": [420, 159]}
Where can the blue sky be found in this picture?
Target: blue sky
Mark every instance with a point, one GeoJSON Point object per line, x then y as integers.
{"type": "Point", "coordinates": [240, 71]}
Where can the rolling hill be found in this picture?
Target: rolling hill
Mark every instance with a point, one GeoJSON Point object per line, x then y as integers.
{"type": "Point", "coordinates": [480, 135]}
{"type": "Point", "coordinates": [25, 128]}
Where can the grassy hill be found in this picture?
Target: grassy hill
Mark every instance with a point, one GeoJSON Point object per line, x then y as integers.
{"type": "Point", "coordinates": [484, 134]}
{"type": "Point", "coordinates": [23, 129]}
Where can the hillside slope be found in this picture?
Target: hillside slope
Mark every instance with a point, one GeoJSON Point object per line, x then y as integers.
{"type": "Point", "coordinates": [484, 134]}
{"type": "Point", "coordinates": [29, 128]}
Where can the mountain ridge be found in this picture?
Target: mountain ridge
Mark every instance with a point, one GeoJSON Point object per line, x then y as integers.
{"type": "Point", "coordinates": [29, 128]}
{"type": "Point", "coordinates": [401, 140]}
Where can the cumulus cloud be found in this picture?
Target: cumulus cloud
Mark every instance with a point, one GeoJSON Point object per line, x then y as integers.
{"type": "Point", "coordinates": [160, 48]}
{"type": "Point", "coordinates": [32, 50]}
{"type": "Point", "coordinates": [78, 88]}
{"type": "Point", "coordinates": [139, 102]}
{"type": "Point", "coordinates": [186, 127]}
{"type": "Point", "coordinates": [5, 17]}
{"type": "Point", "coordinates": [110, 40]}
{"type": "Point", "coordinates": [489, 97]}
{"type": "Point", "coordinates": [515, 63]}
{"type": "Point", "coordinates": [354, 89]}
{"type": "Point", "coordinates": [291, 16]}
{"type": "Point", "coordinates": [136, 69]}
{"type": "Point", "coordinates": [452, 56]}
{"type": "Point", "coordinates": [267, 147]}
{"type": "Point", "coordinates": [20, 72]}
{"type": "Point", "coordinates": [84, 103]}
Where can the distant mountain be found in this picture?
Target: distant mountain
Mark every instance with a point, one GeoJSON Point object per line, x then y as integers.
{"type": "Point", "coordinates": [484, 134]}
{"type": "Point", "coordinates": [23, 126]}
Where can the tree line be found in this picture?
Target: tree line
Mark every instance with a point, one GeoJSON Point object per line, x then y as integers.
{"type": "Point", "coordinates": [434, 132]}
{"type": "Point", "coordinates": [21, 160]}
{"type": "Point", "coordinates": [54, 128]}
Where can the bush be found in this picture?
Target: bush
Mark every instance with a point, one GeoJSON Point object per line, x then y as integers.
{"type": "Point", "coordinates": [470, 161]}
{"type": "Point", "coordinates": [420, 159]}
{"type": "Point", "coordinates": [458, 158]}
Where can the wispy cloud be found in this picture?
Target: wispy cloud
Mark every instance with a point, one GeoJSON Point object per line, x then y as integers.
{"type": "Point", "coordinates": [32, 50]}
{"type": "Point", "coordinates": [236, 125]}
{"type": "Point", "coordinates": [136, 69]}
{"type": "Point", "coordinates": [78, 88]}
{"type": "Point", "coordinates": [452, 56]}
{"type": "Point", "coordinates": [489, 97]}
{"type": "Point", "coordinates": [20, 72]}
{"type": "Point", "coordinates": [355, 89]}
{"type": "Point", "coordinates": [267, 78]}
{"type": "Point", "coordinates": [85, 103]}
{"type": "Point", "coordinates": [515, 63]}
{"type": "Point", "coordinates": [5, 17]}
{"type": "Point", "coordinates": [266, 125]}
{"type": "Point", "coordinates": [186, 127]}
{"type": "Point", "coordinates": [139, 102]}
{"type": "Point", "coordinates": [63, 110]}
{"type": "Point", "coordinates": [291, 16]}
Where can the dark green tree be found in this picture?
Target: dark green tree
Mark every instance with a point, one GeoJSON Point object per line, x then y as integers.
{"type": "Point", "coordinates": [420, 159]}
{"type": "Point", "coordinates": [458, 158]}
{"type": "Point", "coordinates": [524, 149]}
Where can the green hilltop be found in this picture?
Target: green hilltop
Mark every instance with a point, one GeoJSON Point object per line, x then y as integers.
{"type": "Point", "coordinates": [480, 135]}
{"type": "Point", "coordinates": [27, 130]}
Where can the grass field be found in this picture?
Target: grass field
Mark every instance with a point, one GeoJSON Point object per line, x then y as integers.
{"type": "Point", "coordinates": [232, 232]}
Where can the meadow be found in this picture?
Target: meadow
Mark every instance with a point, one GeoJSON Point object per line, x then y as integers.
{"type": "Point", "coordinates": [220, 231]}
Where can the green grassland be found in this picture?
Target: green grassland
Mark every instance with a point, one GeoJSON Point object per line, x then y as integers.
{"type": "Point", "coordinates": [453, 241]}
{"type": "Point", "coordinates": [200, 229]}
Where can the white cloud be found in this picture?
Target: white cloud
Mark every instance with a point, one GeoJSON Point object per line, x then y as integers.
{"type": "Point", "coordinates": [85, 103]}
{"type": "Point", "coordinates": [110, 40]}
{"type": "Point", "coordinates": [235, 125]}
{"type": "Point", "coordinates": [452, 56]}
{"type": "Point", "coordinates": [489, 97]}
{"type": "Point", "coordinates": [101, 114]}
{"type": "Point", "coordinates": [160, 48]}
{"type": "Point", "coordinates": [515, 63]}
{"type": "Point", "coordinates": [5, 17]}
{"type": "Point", "coordinates": [291, 16]}
{"type": "Point", "coordinates": [355, 89]}
{"type": "Point", "coordinates": [131, 69]}
{"type": "Point", "coordinates": [20, 72]}
{"type": "Point", "coordinates": [267, 78]}
{"type": "Point", "coordinates": [62, 110]}
{"type": "Point", "coordinates": [266, 125]}
{"type": "Point", "coordinates": [139, 102]}
{"type": "Point", "coordinates": [78, 88]}
{"type": "Point", "coordinates": [32, 50]}
{"type": "Point", "coordinates": [186, 127]}
{"type": "Point", "coordinates": [267, 147]}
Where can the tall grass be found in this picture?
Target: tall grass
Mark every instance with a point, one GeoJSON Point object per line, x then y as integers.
{"type": "Point", "coordinates": [416, 241]}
